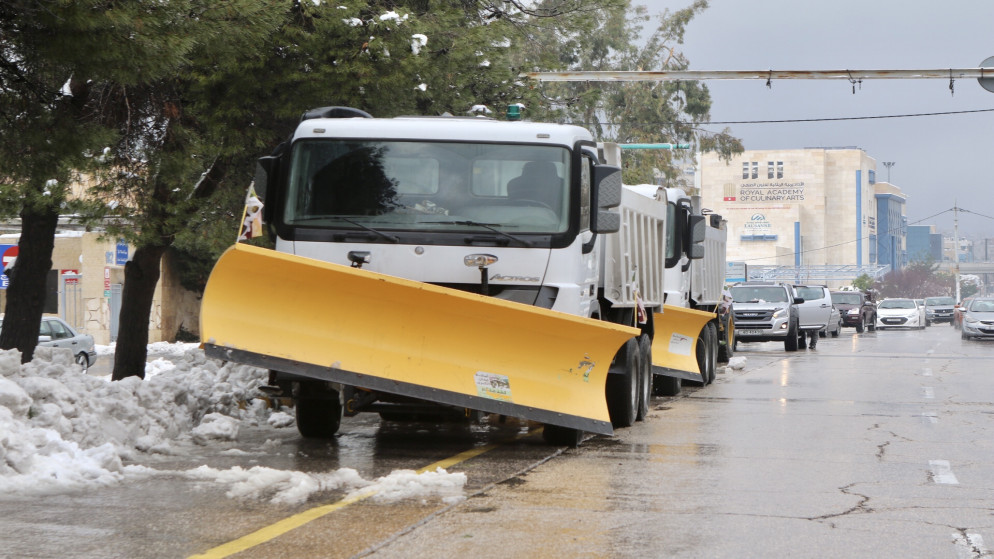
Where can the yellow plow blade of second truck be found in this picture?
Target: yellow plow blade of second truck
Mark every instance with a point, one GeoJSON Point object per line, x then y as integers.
{"type": "Point", "coordinates": [332, 322]}
{"type": "Point", "coordinates": [674, 345]}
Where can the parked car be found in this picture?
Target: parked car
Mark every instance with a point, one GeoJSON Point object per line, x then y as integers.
{"type": "Point", "coordinates": [834, 327]}
{"type": "Point", "coordinates": [55, 332]}
{"type": "Point", "coordinates": [939, 309]}
{"type": "Point", "coordinates": [900, 313]}
{"type": "Point", "coordinates": [857, 310]}
{"type": "Point", "coordinates": [766, 312]}
{"type": "Point", "coordinates": [978, 319]}
{"type": "Point", "coordinates": [816, 311]}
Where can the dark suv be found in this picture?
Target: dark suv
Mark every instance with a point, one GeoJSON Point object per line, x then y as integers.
{"type": "Point", "coordinates": [856, 309]}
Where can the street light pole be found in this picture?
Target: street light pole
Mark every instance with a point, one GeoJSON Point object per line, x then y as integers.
{"type": "Point", "coordinates": [888, 164]}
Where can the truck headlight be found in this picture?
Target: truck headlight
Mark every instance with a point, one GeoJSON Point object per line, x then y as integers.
{"type": "Point", "coordinates": [780, 313]}
{"type": "Point", "coordinates": [853, 312]}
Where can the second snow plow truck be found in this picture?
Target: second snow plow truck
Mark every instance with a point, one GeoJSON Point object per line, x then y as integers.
{"type": "Point", "coordinates": [459, 265]}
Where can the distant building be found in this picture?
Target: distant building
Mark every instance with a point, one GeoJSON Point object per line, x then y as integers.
{"type": "Point", "coordinates": [888, 245]}
{"type": "Point", "coordinates": [924, 243]}
{"type": "Point", "coordinates": [812, 210]}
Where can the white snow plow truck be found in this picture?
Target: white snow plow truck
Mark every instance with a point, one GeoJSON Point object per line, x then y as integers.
{"type": "Point", "coordinates": [447, 265]}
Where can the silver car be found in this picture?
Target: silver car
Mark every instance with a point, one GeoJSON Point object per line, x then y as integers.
{"type": "Point", "coordinates": [55, 332]}
{"type": "Point", "coordinates": [978, 321]}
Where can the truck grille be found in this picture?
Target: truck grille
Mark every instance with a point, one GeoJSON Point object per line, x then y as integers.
{"type": "Point", "coordinates": [753, 315]}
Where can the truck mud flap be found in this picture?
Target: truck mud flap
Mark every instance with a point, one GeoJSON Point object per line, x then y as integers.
{"type": "Point", "coordinates": [675, 341]}
{"type": "Point", "coordinates": [360, 328]}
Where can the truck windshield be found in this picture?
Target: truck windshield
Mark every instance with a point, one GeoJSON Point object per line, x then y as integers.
{"type": "Point", "coordinates": [420, 185]}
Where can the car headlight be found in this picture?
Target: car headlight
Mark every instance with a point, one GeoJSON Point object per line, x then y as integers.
{"type": "Point", "coordinates": [853, 311]}
{"type": "Point", "coordinates": [779, 313]}
{"type": "Point", "coordinates": [971, 320]}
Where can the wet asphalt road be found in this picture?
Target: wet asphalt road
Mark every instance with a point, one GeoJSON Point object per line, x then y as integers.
{"type": "Point", "coordinates": [873, 445]}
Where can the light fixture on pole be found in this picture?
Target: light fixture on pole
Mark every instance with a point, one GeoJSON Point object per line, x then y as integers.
{"type": "Point", "coordinates": [888, 164]}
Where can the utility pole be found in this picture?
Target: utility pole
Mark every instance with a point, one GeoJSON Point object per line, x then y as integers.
{"type": "Point", "coordinates": [956, 248]}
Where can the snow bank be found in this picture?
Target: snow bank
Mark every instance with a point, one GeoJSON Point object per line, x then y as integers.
{"type": "Point", "coordinates": [64, 431]}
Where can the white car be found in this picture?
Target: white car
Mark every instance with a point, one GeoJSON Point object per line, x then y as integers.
{"type": "Point", "coordinates": [900, 313]}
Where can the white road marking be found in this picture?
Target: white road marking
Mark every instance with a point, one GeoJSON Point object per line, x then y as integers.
{"type": "Point", "coordinates": [927, 372]}
{"type": "Point", "coordinates": [970, 546]}
{"type": "Point", "coordinates": [928, 393]}
{"type": "Point", "coordinates": [930, 417]}
{"type": "Point", "coordinates": [942, 473]}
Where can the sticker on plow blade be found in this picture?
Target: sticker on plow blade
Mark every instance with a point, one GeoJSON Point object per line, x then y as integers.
{"type": "Point", "coordinates": [365, 329]}
{"type": "Point", "coordinates": [496, 387]}
{"type": "Point", "coordinates": [677, 330]}
{"type": "Point", "coordinates": [680, 344]}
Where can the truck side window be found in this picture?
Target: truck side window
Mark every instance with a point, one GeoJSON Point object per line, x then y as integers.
{"type": "Point", "coordinates": [585, 173]}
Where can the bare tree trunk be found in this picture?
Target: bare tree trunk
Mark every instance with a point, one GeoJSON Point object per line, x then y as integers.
{"type": "Point", "coordinates": [27, 290]}
{"type": "Point", "coordinates": [141, 275]}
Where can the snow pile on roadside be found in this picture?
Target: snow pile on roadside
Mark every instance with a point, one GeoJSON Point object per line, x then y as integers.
{"type": "Point", "coordinates": [64, 431]}
{"type": "Point", "coordinates": [736, 363]}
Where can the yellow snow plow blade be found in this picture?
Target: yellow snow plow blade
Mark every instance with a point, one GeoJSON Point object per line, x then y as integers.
{"type": "Point", "coordinates": [675, 342]}
{"type": "Point", "coordinates": [332, 322]}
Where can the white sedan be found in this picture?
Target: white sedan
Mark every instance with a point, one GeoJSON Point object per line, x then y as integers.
{"type": "Point", "coordinates": [900, 313]}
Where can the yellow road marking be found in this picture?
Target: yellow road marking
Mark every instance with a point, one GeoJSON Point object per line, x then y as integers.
{"type": "Point", "coordinates": [277, 529]}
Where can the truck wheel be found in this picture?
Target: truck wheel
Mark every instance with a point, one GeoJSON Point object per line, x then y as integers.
{"type": "Point", "coordinates": [645, 377]}
{"type": "Point", "coordinates": [712, 351]}
{"type": "Point", "coordinates": [622, 390]}
{"type": "Point", "coordinates": [555, 435]}
{"type": "Point", "coordinates": [790, 342]}
{"type": "Point", "coordinates": [318, 418]}
{"type": "Point", "coordinates": [727, 350]}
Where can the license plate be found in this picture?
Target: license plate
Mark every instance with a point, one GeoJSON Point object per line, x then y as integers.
{"type": "Point", "coordinates": [750, 332]}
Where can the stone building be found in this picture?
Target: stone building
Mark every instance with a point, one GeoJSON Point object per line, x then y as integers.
{"type": "Point", "coordinates": [809, 212]}
{"type": "Point", "coordinates": [86, 283]}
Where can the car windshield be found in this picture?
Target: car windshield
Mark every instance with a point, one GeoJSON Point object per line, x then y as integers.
{"type": "Point", "coordinates": [810, 292]}
{"type": "Point", "coordinates": [935, 301]}
{"type": "Point", "coordinates": [417, 186]}
{"type": "Point", "coordinates": [846, 298]}
{"type": "Point", "coordinates": [982, 306]}
{"type": "Point", "coordinates": [897, 304]}
{"type": "Point", "coordinates": [747, 294]}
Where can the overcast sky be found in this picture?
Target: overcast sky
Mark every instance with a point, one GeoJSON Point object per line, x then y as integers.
{"type": "Point", "coordinates": [936, 158]}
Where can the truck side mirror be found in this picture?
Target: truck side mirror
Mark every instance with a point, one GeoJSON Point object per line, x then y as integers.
{"type": "Point", "coordinates": [606, 194]}
{"type": "Point", "coordinates": [697, 226]}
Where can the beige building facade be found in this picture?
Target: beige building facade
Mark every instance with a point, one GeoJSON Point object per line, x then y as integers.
{"type": "Point", "coordinates": [794, 207]}
{"type": "Point", "coordinates": [86, 283]}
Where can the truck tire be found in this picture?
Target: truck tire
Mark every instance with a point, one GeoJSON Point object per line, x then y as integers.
{"type": "Point", "coordinates": [707, 353]}
{"type": "Point", "coordinates": [622, 390]}
{"type": "Point", "coordinates": [645, 377]}
{"type": "Point", "coordinates": [790, 342]}
{"type": "Point", "coordinates": [555, 435]}
{"type": "Point", "coordinates": [318, 418]}
{"type": "Point", "coordinates": [726, 349]}
{"type": "Point", "coordinates": [712, 329]}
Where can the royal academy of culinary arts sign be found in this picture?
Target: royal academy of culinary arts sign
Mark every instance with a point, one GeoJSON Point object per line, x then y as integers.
{"type": "Point", "coordinates": [765, 192]}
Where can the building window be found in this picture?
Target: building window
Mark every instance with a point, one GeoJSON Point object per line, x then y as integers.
{"type": "Point", "coordinates": [779, 169]}
{"type": "Point", "coordinates": [755, 170]}
{"type": "Point", "coordinates": [769, 169]}
{"type": "Point", "coordinates": [873, 176]}
{"type": "Point", "coordinates": [745, 170]}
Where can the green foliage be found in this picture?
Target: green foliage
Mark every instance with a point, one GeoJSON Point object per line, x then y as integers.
{"type": "Point", "coordinates": [863, 283]}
